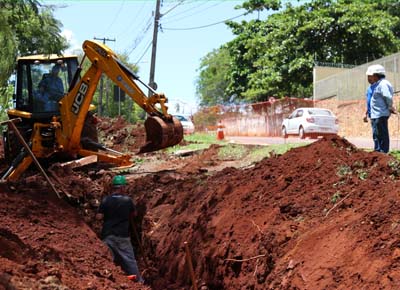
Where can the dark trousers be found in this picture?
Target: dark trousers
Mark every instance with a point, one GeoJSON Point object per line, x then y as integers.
{"type": "Point", "coordinates": [122, 252]}
{"type": "Point", "coordinates": [380, 134]}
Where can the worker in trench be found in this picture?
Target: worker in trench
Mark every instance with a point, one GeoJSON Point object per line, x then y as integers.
{"type": "Point", "coordinates": [118, 211]}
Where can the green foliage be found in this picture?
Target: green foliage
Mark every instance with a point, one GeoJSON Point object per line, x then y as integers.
{"type": "Point", "coordinates": [207, 138]}
{"type": "Point", "coordinates": [343, 170]}
{"type": "Point", "coordinates": [111, 107]}
{"type": "Point", "coordinates": [212, 82]}
{"type": "Point", "coordinates": [395, 154]}
{"type": "Point", "coordinates": [358, 167]}
{"type": "Point", "coordinates": [26, 27]}
{"type": "Point", "coordinates": [8, 50]}
{"type": "Point", "coordinates": [233, 152]}
{"type": "Point", "coordinates": [258, 5]}
{"type": "Point", "coordinates": [394, 165]}
{"type": "Point", "coordinates": [228, 151]}
{"type": "Point", "coordinates": [5, 101]}
{"type": "Point", "coordinates": [127, 108]}
{"type": "Point", "coordinates": [362, 174]}
{"type": "Point", "coordinates": [335, 197]}
{"type": "Point", "coordinates": [197, 141]}
{"type": "Point", "coordinates": [275, 56]}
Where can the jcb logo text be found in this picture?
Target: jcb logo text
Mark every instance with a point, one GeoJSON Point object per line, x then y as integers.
{"type": "Point", "coordinates": [79, 98]}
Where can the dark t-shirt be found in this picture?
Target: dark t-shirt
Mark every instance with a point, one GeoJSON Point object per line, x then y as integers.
{"type": "Point", "coordinates": [117, 210]}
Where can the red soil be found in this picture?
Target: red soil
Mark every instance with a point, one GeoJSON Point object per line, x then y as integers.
{"type": "Point", "coordinates": [45, 244]}
{"type": "Point", "coordinates": [120, 135]}
{"type": "Point", "coordinates": [324, 216]}
{"type": "Point", "coordinates": [275, 226]}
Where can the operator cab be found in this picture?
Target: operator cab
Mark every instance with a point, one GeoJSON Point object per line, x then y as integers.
{"type": "Point", "coordinates": [41, 81]}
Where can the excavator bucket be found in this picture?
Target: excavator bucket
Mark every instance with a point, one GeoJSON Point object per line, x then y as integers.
{"type": "Point", "coordinates": [161, 134]}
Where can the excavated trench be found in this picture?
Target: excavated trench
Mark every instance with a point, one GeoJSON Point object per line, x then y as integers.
{"type": "Point", "coordinates": [323, 216]}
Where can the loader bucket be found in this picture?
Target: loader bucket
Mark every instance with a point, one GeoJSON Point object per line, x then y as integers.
{"type": "Point", "coordinates": [161, 134]}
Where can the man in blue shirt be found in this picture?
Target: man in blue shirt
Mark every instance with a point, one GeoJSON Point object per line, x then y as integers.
{"type": "Point", "coordinates": [118, 210]}
{"type": "Point", "coordinates": [368, 96]}
{"type": "Point", "coordinates": [51, 89]}
{"type": "Point", "coordinates": [379, 106]}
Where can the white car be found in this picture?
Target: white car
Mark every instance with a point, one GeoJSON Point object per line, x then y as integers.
{"type": "Point", "coordinates": [187, 124]}
{"type": "Point", "coordinates": [312, 122]}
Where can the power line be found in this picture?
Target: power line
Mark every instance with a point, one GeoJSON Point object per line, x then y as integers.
{"type": "Point", "coordinates": [141, 36]}
{"type": "Point", "coordinates": [197, 12]}
{"type": "Point", "coordinates": [116, 15]}
{"type": "Point", "coordinates": [147, 48]}
{"type": "Point", "coordinates": [168, 11]}
{"type": "Point", "coordinates": [204, 26]}
{"type": "Point", "coordinates": [136, 19]}
{"type": "Point", "coordinates": [173, 17]}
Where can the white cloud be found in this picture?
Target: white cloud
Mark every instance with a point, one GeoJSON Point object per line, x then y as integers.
{"type": "Point", "coordinates": [74, 45]}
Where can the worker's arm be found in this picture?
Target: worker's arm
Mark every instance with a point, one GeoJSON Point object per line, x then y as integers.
{"type": "Point", "coordinates": [386, 92]}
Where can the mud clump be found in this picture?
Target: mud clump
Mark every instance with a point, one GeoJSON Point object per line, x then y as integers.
{"type": "Point", "coordinates": [118, 134]}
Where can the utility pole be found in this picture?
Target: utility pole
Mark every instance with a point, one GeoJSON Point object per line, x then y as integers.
{"type": "Point", "coordinates": [100, 110]}
{"type": "Point", "coordinates": [157, 17]}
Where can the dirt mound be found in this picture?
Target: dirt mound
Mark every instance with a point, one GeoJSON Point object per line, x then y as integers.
{"type": "Point", "coordinates": [322, 216]}
{"type": "Point", "coordinates": [120, 135]}
{"type": "Point", "coordinates": [45, 244]}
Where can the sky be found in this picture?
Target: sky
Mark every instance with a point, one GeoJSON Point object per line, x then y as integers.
{"type": "Point", "coordinates": [189, 29]}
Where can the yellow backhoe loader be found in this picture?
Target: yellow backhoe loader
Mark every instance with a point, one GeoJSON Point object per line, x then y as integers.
{"type": "Point", "coordinates": [53, 98]}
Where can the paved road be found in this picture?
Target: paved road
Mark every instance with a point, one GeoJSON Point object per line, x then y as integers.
{"type": "Point", "coordinates": [362, 143]}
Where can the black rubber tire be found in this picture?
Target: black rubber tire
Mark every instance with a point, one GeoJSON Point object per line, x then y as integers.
{"type": "Point", "coordinates": [302, 134]}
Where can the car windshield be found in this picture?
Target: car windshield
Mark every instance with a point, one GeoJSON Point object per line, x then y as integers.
{"type": "Point", "coordinates": [319, 112]}
{"type": "Point", "coordinates": [180, 118]}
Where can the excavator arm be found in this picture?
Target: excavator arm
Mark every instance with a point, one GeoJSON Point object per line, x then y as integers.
{"type": "Point", "coordinates": [162, 130]}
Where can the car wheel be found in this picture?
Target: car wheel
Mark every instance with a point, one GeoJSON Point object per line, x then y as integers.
{"type": "Point", "coordinates": [302, 135]}
{"type": "Point", "coordinates": [284, 132]}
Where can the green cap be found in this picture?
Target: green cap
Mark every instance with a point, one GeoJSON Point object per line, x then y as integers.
{"type": "Point", "coordinates": [119, 180]}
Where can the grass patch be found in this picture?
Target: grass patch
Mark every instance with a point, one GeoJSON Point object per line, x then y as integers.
{"type": "Point", "coordinates": [206, 138]}
{"type": "Point", "coordinates": [231, 151]}
{"type": "Point", "coordinates": [196, 141]}
{"type": "Point", "coordinates": [395, 154]}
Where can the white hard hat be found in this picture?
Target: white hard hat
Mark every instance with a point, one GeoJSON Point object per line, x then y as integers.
{"type": "Point", "coordinates": [375, 69]}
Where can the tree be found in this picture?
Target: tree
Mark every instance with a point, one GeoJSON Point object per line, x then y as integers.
{"type": "Point", "coordinates": [275, 56]}
{"type": "Point", "coordinates": [212, 82]}
{"type": "Point", "coordinates": [330, 31]}
{"type": "Point", "coordinates": [26, 27]}
{"type": "Point", "coordinates": [131, 111]}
